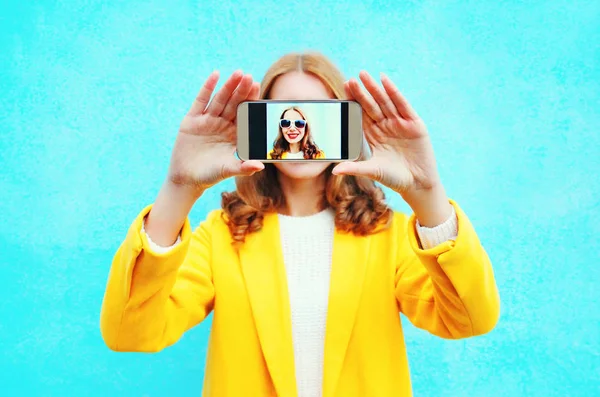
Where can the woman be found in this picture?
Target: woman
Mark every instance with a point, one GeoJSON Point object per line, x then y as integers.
{"type": "Point", "coordinates": [294, 140]}
{"type": "Point", "coordinates": [305, 267]}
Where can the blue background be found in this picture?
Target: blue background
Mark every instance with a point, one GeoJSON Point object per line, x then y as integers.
{"type": "Point", "coordinates": [92, 95]}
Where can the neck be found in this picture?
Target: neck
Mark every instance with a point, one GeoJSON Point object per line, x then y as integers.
{"type": "Point", "coordinates": [294, 147]}
{"type": "Point", "coordinates": [303, 197]}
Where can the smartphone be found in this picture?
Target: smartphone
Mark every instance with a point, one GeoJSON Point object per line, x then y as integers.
{"type": "Point", "coordinates": [315, 130]}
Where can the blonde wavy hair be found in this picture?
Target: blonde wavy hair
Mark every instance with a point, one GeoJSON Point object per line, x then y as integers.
{"type": "Point", "coordinates": [359, 204]}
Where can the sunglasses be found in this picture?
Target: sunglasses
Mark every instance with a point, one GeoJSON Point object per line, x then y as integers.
{"type": "Point", "coordinates": [285, 123]}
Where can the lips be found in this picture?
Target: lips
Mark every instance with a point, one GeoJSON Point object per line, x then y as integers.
{"type": "Point", "coordinates": [293, 136]}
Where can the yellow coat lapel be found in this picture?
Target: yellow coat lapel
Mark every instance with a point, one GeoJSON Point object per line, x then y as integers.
{"type": "Point", "coordinates": [349, 263]}
{"type": "Point", "coordinates": [262, 264]}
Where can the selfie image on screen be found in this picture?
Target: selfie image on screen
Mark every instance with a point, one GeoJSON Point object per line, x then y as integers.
{"type": "Point", "coordinates": [298, 130]}
{"type": "Point", "coordinates": [303, 131]}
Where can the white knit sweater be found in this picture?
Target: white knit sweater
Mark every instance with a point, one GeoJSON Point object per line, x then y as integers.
{"type": "Point", "coordinates": [307, 244]}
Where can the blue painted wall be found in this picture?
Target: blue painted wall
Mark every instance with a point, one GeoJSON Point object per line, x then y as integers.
{"type": "Point", "coordinates": [91, 98]}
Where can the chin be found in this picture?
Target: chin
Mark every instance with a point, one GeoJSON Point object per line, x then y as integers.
{"type": "Point", "coordinates": [302, 170]}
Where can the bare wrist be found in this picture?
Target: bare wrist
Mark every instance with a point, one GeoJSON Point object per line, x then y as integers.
{"type": "Point", "coordinates": [170, 211]}
{"type": "Point", "coordinates": [183, 185]}
{"type": "Point", "coordinates": [431, 206]}
{"type": "Point", "coordinates": [182, 191]}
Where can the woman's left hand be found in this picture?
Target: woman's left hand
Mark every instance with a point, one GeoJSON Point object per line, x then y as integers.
{"type": "Point", "coordinates": [402, 154]}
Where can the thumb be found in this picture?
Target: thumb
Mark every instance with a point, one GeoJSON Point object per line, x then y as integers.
{"type": "Point", "coordinates": [245, 168]}
{"type": "Point", "coordinates": [367, 169]}
{"type": "Point", "coordinates": [251, 166]}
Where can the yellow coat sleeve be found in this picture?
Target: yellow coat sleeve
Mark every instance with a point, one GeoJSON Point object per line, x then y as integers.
{"type": "Point", "coordinates": [448, 290]}
{"type": "Point", "coordinates": [151, 298]}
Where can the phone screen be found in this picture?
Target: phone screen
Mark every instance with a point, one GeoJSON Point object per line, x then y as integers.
{"type": "Point", "coordinates": [304, 130]}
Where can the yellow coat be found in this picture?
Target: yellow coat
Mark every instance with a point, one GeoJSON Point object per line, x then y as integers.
{"type": "Point", "coordinates": [152, 299]}
{"type": "Point", "coordinates": [284, 155]}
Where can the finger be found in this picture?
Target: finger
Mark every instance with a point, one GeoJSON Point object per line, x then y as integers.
{"type": "Point", "coordinates": [406, 111]}
{"type": "Point", "coordinates": [348, 90]}
{"type": "Point", "coordinates": [254, 92]}
{"type": "Point", "coordinates": [204, 95]}
{"type": "Point", "coordinates": [365, 100]}
{"type": "Point", "coordinates": [240, 94]}
{"type": "Point", "coordinates": [219, 102]}
{"type": "Point", "coordinates": [367, 169]}
{"type": "Point", "coordinates": [379, 94]}
{"type": "Point", "coordinates": [372, 132]}
{"type": "Point", "coordinates": [252, 96]}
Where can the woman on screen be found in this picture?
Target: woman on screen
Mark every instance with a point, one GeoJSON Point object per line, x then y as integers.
{"type": "Point", "coordinates": [305, 268]}
{"type": "Point", "coordinates": [294, 140]}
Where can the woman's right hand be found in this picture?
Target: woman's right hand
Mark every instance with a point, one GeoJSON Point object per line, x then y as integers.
{"type": "Point", "coordinates": [204, 151]}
